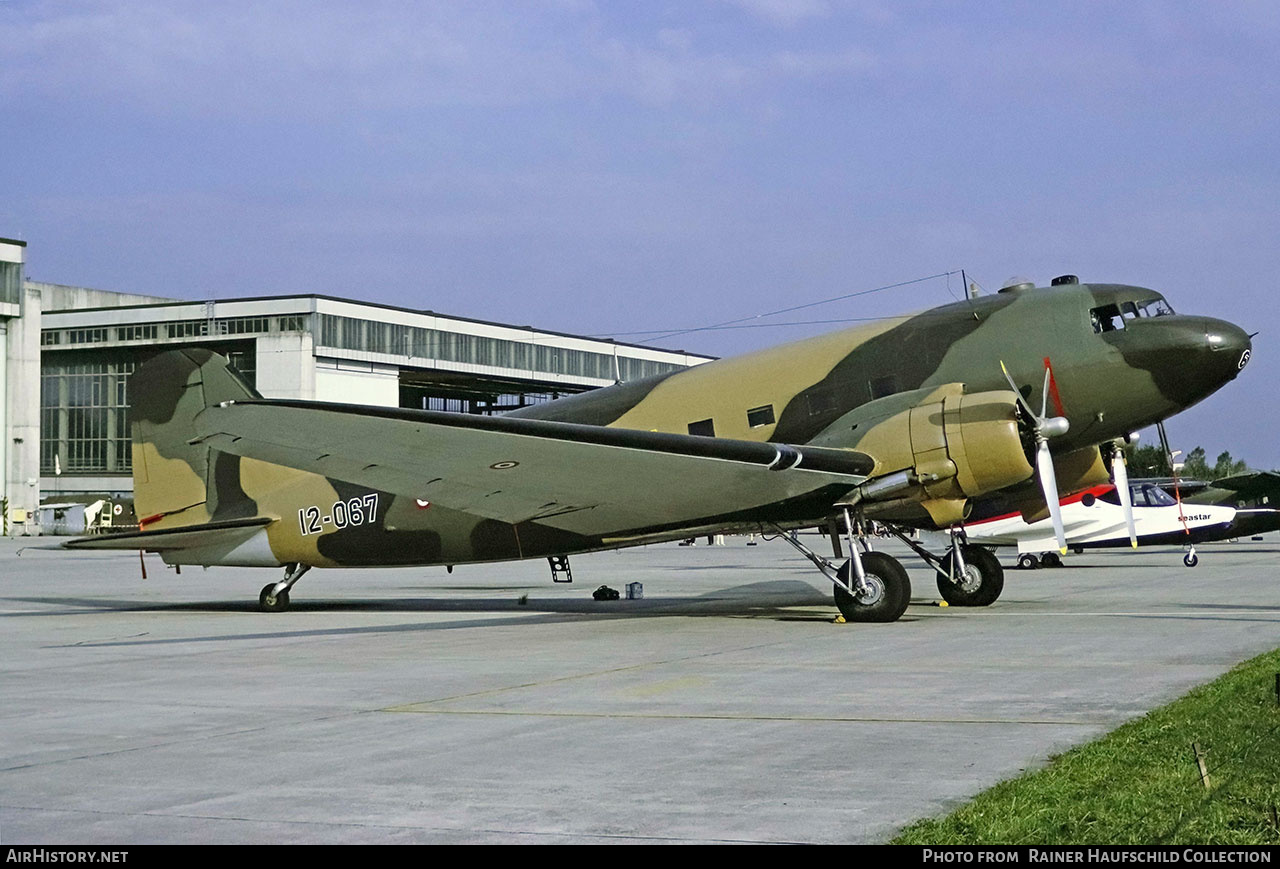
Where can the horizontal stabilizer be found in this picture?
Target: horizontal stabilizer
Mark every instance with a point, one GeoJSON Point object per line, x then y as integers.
{"type": "Point", "coordinates": [222, 534]}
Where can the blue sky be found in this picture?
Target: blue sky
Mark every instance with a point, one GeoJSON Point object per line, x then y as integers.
{"type": "Point", "coordinates": [610, 167]}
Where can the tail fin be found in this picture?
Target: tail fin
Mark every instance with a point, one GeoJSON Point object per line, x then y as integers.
{"type": "Point", "coordinates": [175, 481]}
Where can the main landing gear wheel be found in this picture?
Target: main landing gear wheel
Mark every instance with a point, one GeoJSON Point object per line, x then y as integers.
{"type": "Point", "coordinates": [1028, 561]}
{"type": "Point", "coordinates": [270, 601]}
{"type": "Point", "coordinates": [887, 597]}
{"type": "Point", "coordinates": [981, 582]}
{"type": "Point", "coordinates": [1050, 559]}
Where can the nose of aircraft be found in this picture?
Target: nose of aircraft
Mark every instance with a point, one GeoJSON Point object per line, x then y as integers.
{"type": "Point", "coordinates": [1188, 357]}
{"type": "Point", "coordinates": [1230, 342]}
{"type": "Point", "coordinates": [1201, 355]}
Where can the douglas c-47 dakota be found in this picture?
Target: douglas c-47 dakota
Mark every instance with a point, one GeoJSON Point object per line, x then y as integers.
{"type": "Point", "coordinates": [902, 421]}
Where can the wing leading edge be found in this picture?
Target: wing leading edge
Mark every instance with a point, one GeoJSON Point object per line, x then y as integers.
{"type": "Point", "coordinates": [585, 479]}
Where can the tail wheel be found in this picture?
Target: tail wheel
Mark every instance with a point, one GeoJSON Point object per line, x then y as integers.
{"type": "Point", "coordinates": [981, 582]}
{"type": "Point", "coordinates": [888, 593]}
{"type": "Point", "coordinates": [273, 603]}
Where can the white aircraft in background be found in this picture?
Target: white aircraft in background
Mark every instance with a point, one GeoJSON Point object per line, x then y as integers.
{"type": "Point", "coordinates": [1095, 518]}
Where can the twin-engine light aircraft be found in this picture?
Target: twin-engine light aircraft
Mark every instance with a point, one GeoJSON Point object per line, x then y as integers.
{"type": "Point", "coordinates": [901, 421]}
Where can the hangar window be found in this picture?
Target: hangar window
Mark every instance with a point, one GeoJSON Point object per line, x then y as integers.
{"type": "Point", "coordinates": [86, 336]}
{"type": "Point", "coordinates": [759, 416]}
{"type": "Point", "coordinates": [140, 332]}
{"type": "Point", "coordinates": [188, 329]}
{"type": "Point", "coordinates": [703, 428]}
{"type": "Point", "coordinates": [10, 282]}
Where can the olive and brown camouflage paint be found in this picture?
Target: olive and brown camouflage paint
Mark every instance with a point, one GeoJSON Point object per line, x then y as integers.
{"type": "Point", "coordinates": [923, 393]}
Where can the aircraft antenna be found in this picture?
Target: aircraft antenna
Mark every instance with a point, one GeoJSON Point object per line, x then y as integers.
{"type": "Point", "coordinates": [728, 324]}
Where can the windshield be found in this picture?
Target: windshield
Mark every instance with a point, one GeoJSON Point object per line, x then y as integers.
{"type": "Point", "coordinates": [1143, 495]}
{"type": "Point", "coordinates": [1152, 496]}
{"type": "Point", "coordinates": [1109, 318]}
{"type": "Point", "coordinates": [1155, 308]}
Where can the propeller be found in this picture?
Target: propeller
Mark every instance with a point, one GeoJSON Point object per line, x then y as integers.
{"type": "Point", "coordinates": [1044, 427]}
{"type": "Point", "coordinates": [1120, 473]}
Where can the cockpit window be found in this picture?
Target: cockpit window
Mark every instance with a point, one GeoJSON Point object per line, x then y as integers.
{"type": "Point", "coordinates": [1142, 495]}
{"type": "Point", "coordinates": [1155, 308]}
{"type": "Point", "coordinates": [1109, 318]}
{"type": "Point", "coordinates": [1106, 318]}
{"type": "Point", "coordinates": [1152, 496]}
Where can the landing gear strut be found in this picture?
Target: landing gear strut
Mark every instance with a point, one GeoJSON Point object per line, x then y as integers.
{"type": "Point", "coordinates": [275, 595]}
{"type": "Point", "coordinates": [967, 575]}
{"type": "Point", "coordinates": [869, 586]}
{"type": "Point", "coordinates": [978, 580]}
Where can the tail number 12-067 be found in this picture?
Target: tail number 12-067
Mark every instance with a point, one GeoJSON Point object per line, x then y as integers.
{"type": "Point", "coordinates": [341, 514]}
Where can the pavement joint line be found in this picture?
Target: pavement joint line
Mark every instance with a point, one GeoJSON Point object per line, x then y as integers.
{"type": "Point", "coordinates": [606, 672]}
{"type": "Point", "coordinates": [436, 830]}
{"type": "Point", "coordinates": [805, 719]}
{"type": "Point", "coordinates": [195, 737]}
{"type": "Point", "coordinates": [1146, 614]}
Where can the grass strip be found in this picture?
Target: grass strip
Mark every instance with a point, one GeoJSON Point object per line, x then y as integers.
{"type": "Point", "coordinates": [1140, 784]}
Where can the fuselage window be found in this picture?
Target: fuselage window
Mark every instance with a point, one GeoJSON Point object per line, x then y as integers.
{"type": "Point", "coordinates": [703, 428]}
{"type": "Point", "coordinates": [882, 386]}
{"type": "Point", "coordinates": [821, 401]}
{"type": "Point", "coordinates": [759, 416]}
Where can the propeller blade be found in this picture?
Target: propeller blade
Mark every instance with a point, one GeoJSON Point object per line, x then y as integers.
{"type": "Point", "coordinates": [1044, 394]}
{"type": "Point", "coordinates": [1049, 485]}
{"type": "Point", "coordinates": [1121, 474]}
{"type": "Point", "coordinates": [1031, 414]}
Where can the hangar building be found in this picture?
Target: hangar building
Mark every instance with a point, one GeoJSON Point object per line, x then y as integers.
{"type": "Point", "coordinates": [69, 352]}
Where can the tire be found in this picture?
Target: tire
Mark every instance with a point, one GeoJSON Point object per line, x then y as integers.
{"type": "Point", "coordinates": [269, 603]}
{"type": "Point", "coordinates": [1027, 561]}
{"type": "Point", "coordinates": [1050, 559]}
{"type": "Point", "coordinates": [1191, 559]}
{"type": "Point", "coordinates": [891, 590]}
{"type": "Point", "coordinates": [982, 583]}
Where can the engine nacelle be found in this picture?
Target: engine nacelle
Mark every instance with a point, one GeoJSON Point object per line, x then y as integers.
{"type": "Point", "coordinates": [1075, 472]}
{"type": "Point", "coordinates": [952, 447]}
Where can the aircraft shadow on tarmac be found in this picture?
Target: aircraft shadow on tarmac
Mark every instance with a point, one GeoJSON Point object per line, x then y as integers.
{"type": "Point", "coordinates": [771, 601]}
{"type": "Point", "coordinates": [757, 600]}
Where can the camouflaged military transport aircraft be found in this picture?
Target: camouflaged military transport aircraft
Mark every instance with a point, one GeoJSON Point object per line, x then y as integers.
{"type": "Point", "coordinates": [902, 421]}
